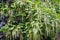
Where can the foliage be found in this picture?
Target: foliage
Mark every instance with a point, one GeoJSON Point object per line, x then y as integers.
{"type": "Point", "coordinates": [33, 19]}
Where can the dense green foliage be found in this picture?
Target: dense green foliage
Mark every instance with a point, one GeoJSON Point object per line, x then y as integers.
{"type": "Point", "coordinates": [33, 19]}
